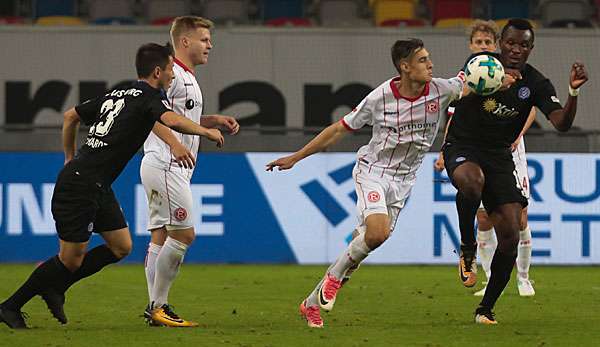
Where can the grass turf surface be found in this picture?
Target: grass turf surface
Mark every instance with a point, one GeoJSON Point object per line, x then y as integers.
{"type": "Point", "coordinates": [248, 305]}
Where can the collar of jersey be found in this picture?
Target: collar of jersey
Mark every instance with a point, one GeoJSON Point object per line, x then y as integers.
{"type": "Point", "coordinates": [397, 94]}
{"type": "Point", "coordinates": [183, 66]}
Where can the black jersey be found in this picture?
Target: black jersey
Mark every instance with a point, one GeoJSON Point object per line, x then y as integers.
{"type": "Point", "coordinates": [120, 122]}
{"type": "Point", "coordinates": [495, 121]}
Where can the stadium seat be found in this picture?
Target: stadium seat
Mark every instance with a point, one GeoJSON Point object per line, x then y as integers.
{"type": "Point", "coordinates": [385, 10]}
{"type": "Point", "coordinates": [453, 22]}
{"type": "Point", "coordinates": [11, 20]}
{"type": "Point", "coordinates": [564, 13]}
{"type": "Point", "coordinates": [54, 8]}
{"type": "Point", "coordinates": [499, 9]}
{"type": "Point", "coordinates": [446, 9]}
{"type": "Point", "coordinates": [160, 9]}
{"type": "Point", "coordinates": [104, 12]}
{"type": "Point", "coordinates": [294, 22]}
{"type": "Point", "coordinates": [162, 21]}
{"type": "Point", "coordinates": [403, 23]}
{"type": "Point", "coordinates": [339, 13]}
{"type": "Point", "coordinates": [271, 9]}
{"type": "Point", "coordinates": [226, 11]}
{"type": "Point", "coordinates": [114, 21]}
{"type": "Point", "coordinates": [59, 21]}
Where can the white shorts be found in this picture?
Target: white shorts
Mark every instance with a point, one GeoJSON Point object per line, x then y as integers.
{"type": "Point", "coordinates": [169, 198]}
{"type": "Point", "coordinates": [379, 195]}
{"type": "Point", "coordinates": [521, 173]}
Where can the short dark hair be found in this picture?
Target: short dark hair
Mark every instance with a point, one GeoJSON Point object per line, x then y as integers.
{"type": "Point", "coordinates": [519, 24]}
{"type": "Point", "coordinates": [151, 55]}
{"type": "Point", "coordinates": [403, 49]}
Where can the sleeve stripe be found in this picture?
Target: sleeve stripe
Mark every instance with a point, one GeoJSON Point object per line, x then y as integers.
{"type": "Point", "coordinates": [346, 125]}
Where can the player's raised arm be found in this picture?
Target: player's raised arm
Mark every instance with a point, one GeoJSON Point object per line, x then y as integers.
{"type": "Point", "coordinates": [182, 154]}
{"type": "Point", "coordinates": [183, 125]}
{"type": "Point", "coordinates": [329, 136]}
{"type": "Point", "coordinates": [69, 133]}
{"type": "Point", "coordinates": [562, 119]}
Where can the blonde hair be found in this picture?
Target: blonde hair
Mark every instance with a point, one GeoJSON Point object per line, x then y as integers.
{"type": "Point", "coordinates": [184, 24]}
{"type": "Point", "coordinates": [484, 26]}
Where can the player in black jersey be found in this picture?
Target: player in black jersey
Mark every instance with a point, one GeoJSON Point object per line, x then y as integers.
{"type": "Point", "coordinates": [83, 201]}
{"type": "Point", "coordinates": [477, 151]}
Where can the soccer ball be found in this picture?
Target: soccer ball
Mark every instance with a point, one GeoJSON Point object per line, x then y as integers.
{"type": "Point", "coordinates": [484, 74]}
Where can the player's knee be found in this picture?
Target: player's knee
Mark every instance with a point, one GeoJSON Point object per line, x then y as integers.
{"type": "Point", "coordinates": [376, 238]}
{"type": "Point", "coordinates": [122, 250]}
{"type": "Point", "coordinates": [508, 241]}
{"type": "Point", "coordinates": [186, 236]}
{"type": "Point", "coordinates": [72, 263]}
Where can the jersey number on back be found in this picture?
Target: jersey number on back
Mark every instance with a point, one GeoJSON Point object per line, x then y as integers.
{"type": "Point", "coordinates": [108, 112]}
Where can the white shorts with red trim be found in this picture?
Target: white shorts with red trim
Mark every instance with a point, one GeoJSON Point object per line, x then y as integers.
{"type": "Point", "coordinates": [379, 195]}
{"type": "Point", "coordinates": [169, 197]}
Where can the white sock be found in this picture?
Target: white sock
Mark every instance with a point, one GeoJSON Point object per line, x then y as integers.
{"type": "Point", "coordinates": [486, 247]}
{"type": "Point", "coordinates": [356, 252]}
{"type": "Point", "coordinates": [524, 253]}
{"type": "Point", "coordinates": [150, 266]}
{"type": "Point", "coordinates": [313, 297]}
{"type": "Point", "coordinates": [167, 265]}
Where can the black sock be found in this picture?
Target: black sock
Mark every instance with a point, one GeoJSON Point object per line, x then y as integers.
{"type": "Point", "coordinates": [467, 209]}
{"type": "Point", "coordinates": [94, 261]}
{"type": "Point", "coordinates": [502, 265]}
{"type": "Point", "coordinates": [51, 274]}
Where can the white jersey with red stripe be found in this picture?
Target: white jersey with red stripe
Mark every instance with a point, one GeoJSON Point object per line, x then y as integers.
{"type": "Point", "coordinates": [185, 98]}
{"type": "Point", "coordinates": [403, 128]}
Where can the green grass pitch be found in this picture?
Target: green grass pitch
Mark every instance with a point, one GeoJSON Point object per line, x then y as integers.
{"type": "Point", "coordinates": [257, 305]}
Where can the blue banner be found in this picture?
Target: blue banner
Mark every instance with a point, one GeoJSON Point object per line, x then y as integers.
{"type": "Point", "coordinates": [306, 215]}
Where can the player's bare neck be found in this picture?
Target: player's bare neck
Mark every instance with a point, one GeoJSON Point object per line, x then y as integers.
{"type": "Point", "coordinates": [184, 59]}
{"type": "Point", "coordinates": [410, 89]}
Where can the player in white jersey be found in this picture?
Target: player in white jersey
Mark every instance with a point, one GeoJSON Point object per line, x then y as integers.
{"type": "Point", "coordinates": [167, 168]}
{"type": "Point", "coordinates": [404, 113]}
{"type": "Point", "coordinates": [483, 36]}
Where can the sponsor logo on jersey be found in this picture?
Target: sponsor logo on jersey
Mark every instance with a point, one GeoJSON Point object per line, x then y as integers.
{"type": "Point", "coordinates": [189, 104]}
{"type": "Point", "coordinates": [460, 159]}
{"type": "Point", "coordinates": [417, 126]}
{"type": "Point", "coordinates": [373, 196]}
{"type": "Point", "coordinates": [389, 113]}
{"type": "Point", "coordinates": [498, 109]}
{"type": "Point", "coordinates": [432, 107]}
{"type": "Point", "coordinates": [180, 213]}
{"type": "Point", "coordinates": [95, 143]}
{"type": "Point", "coordinates": [166, 103]}
{"type": "Point", "coordinates": [524, 93]}
{"type": "Point", "coordinates": [90, 227]}
{"type": "Point", "coordinates": [555, 99]}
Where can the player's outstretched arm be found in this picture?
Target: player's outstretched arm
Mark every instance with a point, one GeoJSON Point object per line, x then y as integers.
{"type": "Point", "coordinates": [220, 121]}
{"type": "Point", "coordinates": [562, 119]}
{"type": "Point", "coordinates": [329, 136]}
{"type": "Point", "coordinates": [182, 154]}
{"type": "Point", "coordinates": [186, 126]}
{"type": "Point", "coordinates": [69, 133]}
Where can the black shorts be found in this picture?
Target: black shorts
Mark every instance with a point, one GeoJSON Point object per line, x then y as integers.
{"type": "Point", "coordinates": [501, 186]}
{"type": "Point", "coordinates": [80, 206]}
